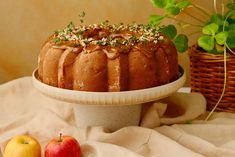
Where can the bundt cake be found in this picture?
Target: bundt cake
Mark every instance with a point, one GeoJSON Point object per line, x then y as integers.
{"type": "Point", "coordinates": [107, 58]}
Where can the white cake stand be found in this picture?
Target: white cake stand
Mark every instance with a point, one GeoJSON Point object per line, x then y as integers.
{"type": "Point", "coordinates": [112, 110]}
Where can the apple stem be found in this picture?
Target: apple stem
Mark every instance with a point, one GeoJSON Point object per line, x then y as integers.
{"type": "Point", "coordinates": [60, 138]}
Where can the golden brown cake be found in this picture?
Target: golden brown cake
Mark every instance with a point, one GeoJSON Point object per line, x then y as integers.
{"type": "Point", "coordinates": [107, 57]}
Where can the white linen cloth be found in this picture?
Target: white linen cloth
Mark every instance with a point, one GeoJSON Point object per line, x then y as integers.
{"type": "Point", "coordinates": [170, 127]}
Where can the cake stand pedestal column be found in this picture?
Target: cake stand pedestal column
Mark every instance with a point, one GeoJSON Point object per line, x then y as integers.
{"type": "Point", "coordinates": [112, 117]}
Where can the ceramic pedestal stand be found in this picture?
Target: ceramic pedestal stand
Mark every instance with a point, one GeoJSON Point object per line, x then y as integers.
{"type": "Point", "coordinates": [113, 110]}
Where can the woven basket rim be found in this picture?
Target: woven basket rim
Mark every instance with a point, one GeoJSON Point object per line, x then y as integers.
{"type": "Point", "coordinates": [207, 74]}
{"type": "Point", "coordinates": [196, 53]}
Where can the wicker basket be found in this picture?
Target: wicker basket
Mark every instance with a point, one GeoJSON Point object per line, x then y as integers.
{"type": "Point", "coordinates": [207, 77]}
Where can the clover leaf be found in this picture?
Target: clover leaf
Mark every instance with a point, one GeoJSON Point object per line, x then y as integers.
{"type": "Point", "coordinates": [217, 19]}
{"type": "Point", "coordinates": [221, 37]}
{"type": "Point", "coordinates": [218, 32]}
{"type": "Point", "coordinates": [210, 29]}
{"type": "Point", "coordinates": [159, 3]}
{"type": "Point", "coordinates": [169, 31]}
{"type": "Point", "coordinates": [172, 9]}
{"type": "Point", "coordinates": [206, 42]}
{"type": "Point", "coordinates": [171, 1]}
{"type": "Point", "coordinates": [155, 19]}
{"type": "Point", "coordinates": [231, 36]}
{"type": "Point", "coordinates": [219, 49]}
{"type": "Point", "coordinates": [183, 4]}
{"type": "Point", "coordinates": [181, 42]}
{"type": "Point", "coordinates": [231, 39]}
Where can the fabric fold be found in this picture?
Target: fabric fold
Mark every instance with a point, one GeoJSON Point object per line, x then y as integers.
{"type": "Point", "coordinates": [24, 110]}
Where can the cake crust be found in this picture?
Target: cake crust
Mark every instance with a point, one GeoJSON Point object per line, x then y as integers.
{"type": "Point", "coordinates": [108, 58]}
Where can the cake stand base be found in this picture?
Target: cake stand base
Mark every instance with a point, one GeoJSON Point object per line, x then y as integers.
{"type": "Point", "coordinates": [111, 117]}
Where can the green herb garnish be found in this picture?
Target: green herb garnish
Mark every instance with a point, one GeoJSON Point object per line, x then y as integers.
{"type": "Point", "coordinates": [81, 16]}
{"type": "Point", "coordinates": [70, 26]}
{"type": "Point", "coordinates": [76, 44]}
{"type": "Point", "coordinates": [56, 40]}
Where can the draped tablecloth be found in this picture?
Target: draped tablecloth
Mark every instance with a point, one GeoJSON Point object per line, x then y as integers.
{"type": "Point", "coordinates": [170, 127]}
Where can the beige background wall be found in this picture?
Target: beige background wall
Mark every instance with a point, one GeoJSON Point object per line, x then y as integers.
{"type": "Point", "coordinates": [25, 25]}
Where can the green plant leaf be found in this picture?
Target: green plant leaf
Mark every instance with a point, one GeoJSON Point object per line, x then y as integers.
{"type": "Point", "coordinates": [230, 14]}
{"type": "Point", "coordinates": [231, 20]}
{"type": "Point", "coordinates": [231, 36]}
{"type": "Point", "coordinates": [172, 10]}
{"type": "Point", "coordinates": [183, 4]}
{"type": "Point", "coordinates": [181, 43]}
{"type": "Point", "coordinates": [219, 48]}
{"type": "Point", "coordinates": [215, 52]}
{"type": "Point", "coordinates": [169, 31]}
{"type": "Point", "coordinates": [231, 39]}
{"type": "Point", "coordinates": [231, 6]}
{"type": "Point", "coordinates": [159, 3]}
{"type": "Point", "coordinates": [210, 29]}
{"type": "Point", "coordinates": [155, 19]}
{"type": "Point", "coordinates": [217, 19]}
{"type": "Point", "coordinates": [206, 42]}
{"type": "Point", "coordinates": [221, 37]}
{"type": "Point", "coordinates": [231, 27]}
{"type": "Point", "coordinates": [171, 1]}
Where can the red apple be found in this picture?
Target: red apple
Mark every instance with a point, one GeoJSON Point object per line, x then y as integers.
{"type": "Point", "coordinates": [63, 146]}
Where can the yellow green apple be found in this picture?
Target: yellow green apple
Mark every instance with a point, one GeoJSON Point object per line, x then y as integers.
{"type": "Point", "coordinates": [22, 146]}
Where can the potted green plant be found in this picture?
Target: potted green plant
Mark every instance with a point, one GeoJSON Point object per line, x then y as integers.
{"type": "Point", "coordinates": [212, 57]}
